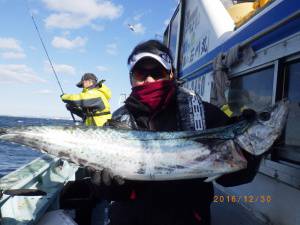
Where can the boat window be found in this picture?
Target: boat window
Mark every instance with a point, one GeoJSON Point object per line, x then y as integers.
{"type": "Point", "coordinates": [174, 26]}
{"type": "Point", "coordinates": [195, 34]}
{"type": "Point", "coordinates": [253, 90]}
{"type": "Point", "coordinates": [290, 150]}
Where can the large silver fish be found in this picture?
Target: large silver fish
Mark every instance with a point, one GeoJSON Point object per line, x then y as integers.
{"type": "Point", "coordinates": [143, 155]}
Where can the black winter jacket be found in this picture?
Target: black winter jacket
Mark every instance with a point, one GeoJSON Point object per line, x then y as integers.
{"type": "Point", "coordinates": [178, 115]}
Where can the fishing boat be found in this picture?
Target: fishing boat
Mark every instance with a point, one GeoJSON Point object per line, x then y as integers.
{"type": "Point", "coordinates": [253, 48]}
{"type": "Point", "coordinates": [246, 54]}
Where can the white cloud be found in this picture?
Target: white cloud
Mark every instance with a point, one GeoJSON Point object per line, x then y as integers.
{"type": "Point", "coordinates": [13, 55]}
{"type": "Point", "coordinates": [60, 69]}
{"type": "Point", "coordinates": [102, 69]}
{"type": "Point", "coordinates": [66, 21]}
{"type": "Point", "coordinates": [32, 48]}
{"type": "Point", "coordinates": [19, 73]}
{"type": "Point", "coordinates": [63, 42]}
{"type": "Point", "coordinates": [97, 27]}
{"type": "Point", "coordinates": [10, 44]}
{"type": "Point", "coordinates": [65, 69]}
{"type": "Point", "coordinates": [74, 14]}
{"type": "Point", "coordinates": [66, 33]}
{"type": "Point", "coordinates": [44, 92]}
{"type": "Point", "coordinates": [112, 49]}
{"type": "Point", "coordinates": [138, 16]}
{"type": "Point", "coordinates": [166, 22]}
{"type": "Point", "coordinates": [34, 11]}
{"type": "Point", "coordinates": [137, 27]}
{"type": "Point", "coordinates": [11, 49]}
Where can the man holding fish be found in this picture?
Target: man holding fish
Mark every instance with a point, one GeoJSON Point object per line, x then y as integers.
{"type": "Point", "coordinates": [162, 177]}
{"type": "Point", "coordinates": [158, 103]}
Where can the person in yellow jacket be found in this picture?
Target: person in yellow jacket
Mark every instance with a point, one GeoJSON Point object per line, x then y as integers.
{"type": "Point", "coordinates": [92, 104]}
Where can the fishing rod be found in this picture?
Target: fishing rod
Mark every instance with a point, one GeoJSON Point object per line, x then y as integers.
{"type": "Point", "coordinates": [48, 57]}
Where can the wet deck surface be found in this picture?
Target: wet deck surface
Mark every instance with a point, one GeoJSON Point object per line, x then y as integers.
{"type": "Point", "coordinates": [231, 214]}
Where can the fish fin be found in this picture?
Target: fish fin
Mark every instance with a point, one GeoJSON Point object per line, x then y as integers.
{"type": "Point", "coordinates": [210, 179]}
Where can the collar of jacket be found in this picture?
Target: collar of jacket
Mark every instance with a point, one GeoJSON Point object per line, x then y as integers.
{"type": "Point", "coordinates": [88, 89]}
{"type": "Point", "coordinates": [91, 87]}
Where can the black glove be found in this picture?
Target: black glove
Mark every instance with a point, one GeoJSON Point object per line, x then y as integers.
{"type": "Point", "coordinates": [76, 110]}
{"type": "Point", "coordinates": [104, 177]}
{"type": "Point", "coordinates": [69, 107]}
{"type": "Point", "coordinates": [100, 83]}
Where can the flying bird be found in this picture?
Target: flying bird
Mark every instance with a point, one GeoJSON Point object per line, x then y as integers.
{"type": "Point", "coordinates": [131, 27]}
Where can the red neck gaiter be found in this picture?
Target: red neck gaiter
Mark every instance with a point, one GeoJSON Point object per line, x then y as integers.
{"type": "Point", "coordinates": [155, 95]}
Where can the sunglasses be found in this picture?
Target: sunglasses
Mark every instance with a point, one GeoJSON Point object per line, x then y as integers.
{"type": "Point", "coordinates": [140, 74]}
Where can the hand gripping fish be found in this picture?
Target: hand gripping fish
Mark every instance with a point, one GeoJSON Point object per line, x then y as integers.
{"type": "Point", "coordinates": [145, 155]}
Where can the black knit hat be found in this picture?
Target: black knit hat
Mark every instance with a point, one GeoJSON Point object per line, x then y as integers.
{"type": "Point", "coordinates": [87, 76]}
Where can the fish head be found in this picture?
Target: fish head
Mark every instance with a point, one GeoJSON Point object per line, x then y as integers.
{"type": "Point", "coordinates": [275, 117]}
{"type": "Point", "coordinates": [266, 128]}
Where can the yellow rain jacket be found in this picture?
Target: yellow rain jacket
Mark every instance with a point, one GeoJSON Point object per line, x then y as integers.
{"type": "Point", "coordinates": [94, 103]}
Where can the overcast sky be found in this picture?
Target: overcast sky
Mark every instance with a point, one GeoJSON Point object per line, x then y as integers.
{"type": "Point", "coordinates": [80, 36]}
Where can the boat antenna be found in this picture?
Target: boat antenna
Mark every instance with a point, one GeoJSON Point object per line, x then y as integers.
{"type": "Point", "coordinates": [48, 57]}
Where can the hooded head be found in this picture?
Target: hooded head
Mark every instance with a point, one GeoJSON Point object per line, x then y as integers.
{"type": "Point", "coordinates": [86, 77]}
